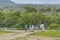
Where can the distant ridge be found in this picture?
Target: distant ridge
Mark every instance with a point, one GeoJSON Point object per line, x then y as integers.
{"type": "Point", "coordinates": [6, 2]}
{"type": "Point", "coordinates": [8, 5]}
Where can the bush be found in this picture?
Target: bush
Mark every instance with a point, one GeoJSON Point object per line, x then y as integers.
{"type": "Point", "coordinates": [53, 26]}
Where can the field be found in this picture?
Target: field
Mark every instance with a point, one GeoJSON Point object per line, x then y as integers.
{"type": "Point", "coordinates": [4, 32]}
{"type": "Point", "coordinates": [47, 34]}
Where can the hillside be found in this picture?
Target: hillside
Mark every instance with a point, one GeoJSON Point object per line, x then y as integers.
{"type": "Point", "coordinates": [8, 5]}
{"type": "Point", "coordinates": [4, 3]}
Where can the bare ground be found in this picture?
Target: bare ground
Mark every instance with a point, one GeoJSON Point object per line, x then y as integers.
{"type": "Point", "coordinates": [21, 35]}
{"type": "Point", "coordinates": [14, 35]}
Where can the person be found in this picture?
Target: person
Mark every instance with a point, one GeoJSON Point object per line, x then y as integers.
{"type": "Point", "coordinates": [32, 28]}
{"type": "Point", "coordinates": [42, 27]}
{"type": "Point", "coordinates": [25, 27]}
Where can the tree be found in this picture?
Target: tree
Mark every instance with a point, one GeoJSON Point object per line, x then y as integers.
{"type": "Point", "coordinates": [1, 19]}
{"type": "Point", "coordinates": [30, 9]}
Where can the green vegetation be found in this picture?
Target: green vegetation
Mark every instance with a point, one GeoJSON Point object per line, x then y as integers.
{"type": "Point", "coordinates": [17, 19]}
{"type": "Point", "coordinates": [23, 38]}
{"type": "Point", "coordinates": [47, 34]}
{"type": "Point", "coordinates": [4, 32]}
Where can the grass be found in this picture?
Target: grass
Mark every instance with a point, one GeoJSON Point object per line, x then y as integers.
{"type": "Point", "coordinates": [47, 34]}
{"type": "Point", "coordinates": [23, 38]}
{"type": "Point", "coordinates": [4, 32]}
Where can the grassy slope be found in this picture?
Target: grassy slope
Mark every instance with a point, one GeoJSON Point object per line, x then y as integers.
{"type": "Point", "coordinates": [4, 32]}
{"type": "Point", "coordinates": [47, 34]}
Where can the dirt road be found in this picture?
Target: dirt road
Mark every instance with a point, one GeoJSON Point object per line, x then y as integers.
{"type": "Point", "coordinates": [14, 35]}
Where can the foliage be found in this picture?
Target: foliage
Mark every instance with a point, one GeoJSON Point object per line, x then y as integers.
{"type": "Point", "coordinates": [31, 16]}
{"type": "Point", "coordinates": [53, 26]}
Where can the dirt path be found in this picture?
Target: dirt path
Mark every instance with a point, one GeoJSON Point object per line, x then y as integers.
{"type": "Point", "coordinates": [21, 34]}
{"type": "Point", "coordinates": [15, 35]}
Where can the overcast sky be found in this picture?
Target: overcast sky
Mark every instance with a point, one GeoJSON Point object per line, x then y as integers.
{"type": "Point", "coordinates": [37, 1]}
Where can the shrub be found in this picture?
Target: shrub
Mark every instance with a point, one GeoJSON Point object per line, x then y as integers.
{"type": "Point", "coordinates": [53, 26]}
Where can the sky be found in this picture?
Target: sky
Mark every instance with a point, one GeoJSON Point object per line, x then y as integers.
{"type": "Point", "coordinates": [36, 1]}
